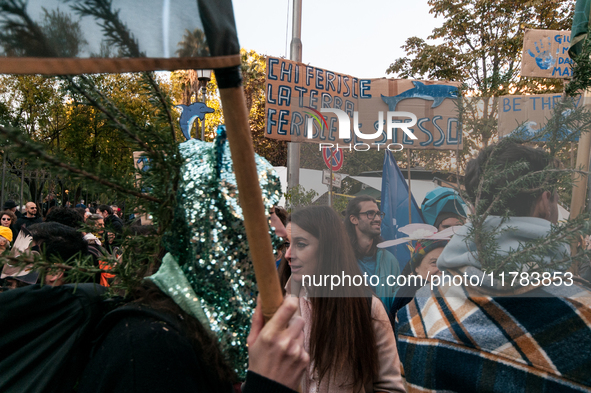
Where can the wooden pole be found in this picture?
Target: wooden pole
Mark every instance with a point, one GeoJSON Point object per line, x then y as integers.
{"type": "Point", "coordinates": [330, 180]}
{"type": "Point", "coordinates": [22, 182]}
{"type": "Point", "coordinates": [251, 199]}
{"type": "Point", "coordinates": [3, 176]}
{"type": "Point", "coordinates": [580, 181]}
{"type": "Point", "coordinates": [409, 193]}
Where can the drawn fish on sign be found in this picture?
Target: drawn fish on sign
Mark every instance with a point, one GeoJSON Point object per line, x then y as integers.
{"type": "Point", "coordinates": [435, 93]}
{"type": "Point", "coordinates": [190, 113]}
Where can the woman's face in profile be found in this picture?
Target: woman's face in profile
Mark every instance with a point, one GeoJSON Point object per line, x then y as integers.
{"type": "Point", "coordinates": [302, 254]}
{"type": "Point", "coordinates": [428, 266]}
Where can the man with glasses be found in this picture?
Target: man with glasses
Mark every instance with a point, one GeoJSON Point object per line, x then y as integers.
{"type": "Point", "coordinates": [29, 218]}
{"type": "Point", "coordinates": [363, 221]}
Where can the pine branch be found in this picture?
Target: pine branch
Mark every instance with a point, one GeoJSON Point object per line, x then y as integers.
{"type": "Point", "coordinates": [160, 96]}
{"type": "Point", "coordinates": [549, 241]}
{"type": "Point", "coordinates": [117, 32]}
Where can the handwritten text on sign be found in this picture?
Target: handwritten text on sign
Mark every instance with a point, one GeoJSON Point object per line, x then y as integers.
{"type": "Point", "coordinates": [417, 115]}
{"type": "Point", "coordinates": [528, 114]}
{"type": "Point", "coordinates": [545, 54]}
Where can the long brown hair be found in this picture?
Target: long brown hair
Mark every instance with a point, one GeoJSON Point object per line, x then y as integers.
{"type": "Point", "coordinates": [342, 338]}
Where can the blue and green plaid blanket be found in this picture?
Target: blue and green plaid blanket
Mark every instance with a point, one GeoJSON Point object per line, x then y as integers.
{"type": "Point", "coordinates": [461, 339]}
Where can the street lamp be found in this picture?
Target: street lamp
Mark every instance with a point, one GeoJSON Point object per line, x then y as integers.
{"type": "Point", "coordinates": [203, 76]}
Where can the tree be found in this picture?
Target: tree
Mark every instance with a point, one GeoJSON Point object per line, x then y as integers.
{"type": "Point", "coordinates": [479, 45]}
{"type": "Point", "coordinates": [63, 121]}
{"type": "Point", "coordinates": [254, 67]}
{"type": "Point", "coordinates": [193, 44]}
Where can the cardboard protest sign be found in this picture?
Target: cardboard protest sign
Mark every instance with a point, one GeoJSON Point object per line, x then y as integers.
{"type": "Point", "coordinates": [545, 54]}
{"type": "Point", "coordinates": [304, 104]}
{"type": "Point", "coordinates": [528, 114]}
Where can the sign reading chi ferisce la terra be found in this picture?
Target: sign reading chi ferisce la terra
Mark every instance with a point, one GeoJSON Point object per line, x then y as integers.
{"type": "Point", "coordinates": [545, 54]}
{"type": "Point", "coordinates": [310, 104]}
{"type": "Point", "coordinates": [526, 115]}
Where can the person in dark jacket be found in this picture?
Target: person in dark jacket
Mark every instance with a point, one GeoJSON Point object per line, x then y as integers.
{"type": "Point", "coordinates": [30, 218]}
{"type": "Point", "coordinates": [113, 228]}
{"type": "Point", "coordinates": [153, 345]}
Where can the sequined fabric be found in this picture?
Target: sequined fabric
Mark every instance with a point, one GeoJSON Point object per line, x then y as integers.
{"type": "Point", "coordinates": [208, 240]}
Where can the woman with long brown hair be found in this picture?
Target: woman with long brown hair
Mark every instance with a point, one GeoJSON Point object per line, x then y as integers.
{"type": "Point", "coordinates": [347, 333]}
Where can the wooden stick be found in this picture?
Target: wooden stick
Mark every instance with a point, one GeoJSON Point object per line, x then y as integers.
{"type": "Point", "coordinates": [580, 181]}
{"type": "Point", "coordinates": [409, 193]}
{"type": "Point", "coordinates": [251, 199]}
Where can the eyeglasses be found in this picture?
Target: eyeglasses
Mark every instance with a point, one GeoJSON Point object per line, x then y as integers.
{"type": "Point", "coordinates": [5, 219]}
{"type": "Point", "coordinates": [371, 214]}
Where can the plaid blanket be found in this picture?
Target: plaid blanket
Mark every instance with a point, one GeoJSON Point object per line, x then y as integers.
{"type": "Point", "coordinates": [461, 339]}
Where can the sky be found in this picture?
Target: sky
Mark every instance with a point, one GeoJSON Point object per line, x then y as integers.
{"type": "Point", "coordinates": [359, 38]}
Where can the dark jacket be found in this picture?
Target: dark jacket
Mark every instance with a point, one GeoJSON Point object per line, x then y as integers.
{"type": "Point", "coordinates": [146, 352]}
{"type": "Point", "coordinates": [26, 221]}
{"type": "Point", "coordinates": [114, 223]}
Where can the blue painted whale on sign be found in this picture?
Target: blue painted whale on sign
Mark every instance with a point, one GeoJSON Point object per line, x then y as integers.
{"type": "Point", "coordinates": [435, 93]}
{"type": "Point", "coordinates": [190, 113]}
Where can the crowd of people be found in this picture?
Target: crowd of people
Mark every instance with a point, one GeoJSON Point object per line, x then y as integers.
{"type": "Point", "coordinates": [99, 228]}
{"type": "Point", "coordinates": [374, 336]}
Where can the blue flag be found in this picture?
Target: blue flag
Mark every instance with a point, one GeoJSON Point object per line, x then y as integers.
{"type": "Point", "coordinates": [395, 205]}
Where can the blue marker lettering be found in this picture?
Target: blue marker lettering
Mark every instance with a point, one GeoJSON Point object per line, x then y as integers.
{"type": "Point", "coordinates": [364, 85]}
{"type": "Point", "coordinates": [441, 140]}
{"type": "Point", "coordinates": [516, 104]}
{"type": "Point", "coordinates": [272, 62]}
{"type": "Point", "coordinates": [345, 79]}
{"type": "Point", "coordinates": [270, 122]}
{"type": "Point", "coordinates": [326, 100]}
{"type": "Point", "coordinates": [426, 131]}
{"type": "Point", "coordinates": [355, 82]}
{"type": "Point", "coordinates": [301, 90]}
{"type": "Point", "coordinates": [319, 78]}
{"type": "Point", "coordinates": [330, 77]}
{"type": "Point", "coordinates": [296, 121]}
{"type": "Point", "coordinates": [282, 121]}
{"type": "Point", "coordinates": [285, 72]}
{"type": "Point", "coordinates": [270, 99]}
{"type": "Point", "coordinates": [284, 95]}
{"type": "Point", "coordinates": [313, 99]}
{"type": "Point", "coordinates": [309, 74]}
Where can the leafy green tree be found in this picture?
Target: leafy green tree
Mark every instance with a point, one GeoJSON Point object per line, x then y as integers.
{"type": "Point", "coordinates": [51, 114]}
{"type": "Point", "coordinates": [480, 45]}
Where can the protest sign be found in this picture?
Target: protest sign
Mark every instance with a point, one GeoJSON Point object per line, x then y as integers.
{"type": "Point", "coordinates": [303, 104]}
{"type": "Point", "coordinates": [545, 54]}
{"type": "Point", "coordinates": [529, 112]}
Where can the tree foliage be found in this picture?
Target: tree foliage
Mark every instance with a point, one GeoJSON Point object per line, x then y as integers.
{"type": "Point", "coordinates": [480, 45]}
